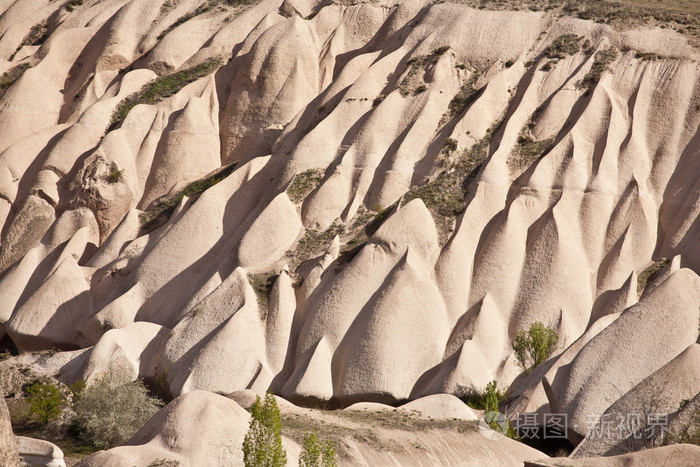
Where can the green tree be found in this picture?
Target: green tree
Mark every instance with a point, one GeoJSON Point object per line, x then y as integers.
{"type": "Point", "coordinates": [492, 416]}
{"type": "Point", "coordinates": [535, 345]}
{"type": "Point", "coordinates": [317, 453]}
{"type": "Point", "coordinates": [45, 400]}
{"type": "Point", "coordinates": [262, 445]}
{"type": "Point", "coordinates": [492, 396]}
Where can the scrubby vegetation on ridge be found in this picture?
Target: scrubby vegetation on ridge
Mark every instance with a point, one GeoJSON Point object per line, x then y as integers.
{"type": "Point", "coordinates": [445, 194]}
{"type": "Point", "coordinates": [13, 74]}
{"type": "Point", "coordinates": [200, 10]}
{"type": "Point", "coordinates": [681, 15]}
{"type": "Point", "coordinates": [601, 62]}
{"type": "Point", "coordinates": [36, 36]}
{"type": "Point", "coordinates": [162, 87]}
{"type": "Point", "coordinates": [262, 285]}
{"type": "Point", "coordinates": [160, 212]}
{"type": "Point", "coordinates": [650, 273]}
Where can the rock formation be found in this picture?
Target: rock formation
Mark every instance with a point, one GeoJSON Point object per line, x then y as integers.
{"type": "Point", "coordinates": [348, 202]}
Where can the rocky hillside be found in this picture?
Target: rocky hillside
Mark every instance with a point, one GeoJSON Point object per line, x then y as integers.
{"type": "Point", "coordinates": [351, 201]}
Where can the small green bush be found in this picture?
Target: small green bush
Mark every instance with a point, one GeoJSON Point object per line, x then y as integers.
{"type": "Point", "coordinates": [115, 174]}
{"type": "Point", "coordinates": [317, 453]}
{"type": "Point", "coordinates": [46, 401]}
{"type": "Point", "coordinates": [262, 445]}
{"type": "Point", "coordinates": [491, 397]}
{"type": "Point", "coordinates": [534, 346]}
{"type": "Point", "coordinates": [497, 421]}
{"type": "Point", "coordinates": [111, 410]}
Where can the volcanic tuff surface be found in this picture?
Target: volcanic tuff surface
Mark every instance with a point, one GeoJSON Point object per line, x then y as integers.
{"type": "Point", "coordinates": [348, 201]}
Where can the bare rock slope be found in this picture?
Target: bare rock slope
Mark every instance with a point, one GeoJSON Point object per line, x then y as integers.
{"type": "Point", "coordinates": [348, 202]}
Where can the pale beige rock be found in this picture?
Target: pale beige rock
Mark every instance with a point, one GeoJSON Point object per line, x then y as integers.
{"type": "Point", "coordinates": [40, 452]}
{"type": "Point", "coordinates": [9, 454]}
{"type": "Point", "coordinates": [657, 396]}
{"type": "Point", "coordinates": [681, 455]}
{"type": "Point", "coordinates": [50, 318]}
{"type": "Point", "coordinates": [270, 235]}
{"type": "Point", "coordinates": [196, 428]}
{"type": "Point", "coordinates": [128, 352]}
{"type": "Point", "coordinates": [28, 227]}
{"type": "Point", "coordinates": [364, 93]}
{"type": "Point", "coordinates": [642, 340]}
{"type": "Point", "coordinates": [441, 407]}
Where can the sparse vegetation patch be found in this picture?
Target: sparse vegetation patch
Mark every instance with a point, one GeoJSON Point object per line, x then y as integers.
{"type": "Point", "coordinates": [527, 151]}
{"type": "Point", "coordinates": [115, 174]}
{"type": "Point", "coordinates": [650, 273]}
{"type": "Point", "coordinates": [445, 194]}
{"type": "Point", "coordinates": [262, 284]}
{"type": "Point", "coordinates": [72, 4]}
{"type": "Point", "coordinates": [681, 15]}
{"type": "Point", "coordinates": [36, 36]}
{"type": "Point", "coordinates": [465, 97]}
{"type": "Point", "coordinates": [562, 46]}
{"type": "Point", "coordinates": [601, 63]}
{"type": "Point", "coordinates": [9, 77]}
{"type": "Point", "coordinates": [303, 184]}
{"type": "Point", "coordinates": [313, 243]}
{"type": "Point", "coordinates": [297, 426]}
{"type": "Point", "coordinates": [161, 88]}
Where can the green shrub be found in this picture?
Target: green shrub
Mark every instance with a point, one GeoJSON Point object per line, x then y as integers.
{"type": "Point", "coordinates": [497, 421]}
{"type": "Point", "coordinates": [45, 400]}
{"type": "Point", "coordinates": [317, 453]}
{"type": "Point", "coordinates": [111, 410]}
{"type": "Point", "coordinates": [535, 345]}
{"type": "Point", "coordinates": [115, 174]}
{"type": "Point", "coordinates": [262, 445]}
{"type": "Point", "coordinates": [492, 397]}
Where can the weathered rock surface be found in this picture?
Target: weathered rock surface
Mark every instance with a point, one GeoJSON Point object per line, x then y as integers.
{"type": "Point", "coordinates": [9, 454]}
{"type": "Point", "coordinates": [347, 202]}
